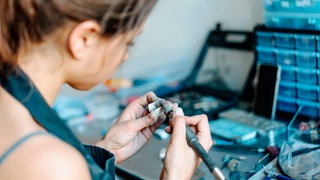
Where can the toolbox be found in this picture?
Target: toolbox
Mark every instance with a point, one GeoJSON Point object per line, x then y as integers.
{"type": "Point", "coordinates": [299, 61]}
{"type": "Point", "coordinates": [222, 75]}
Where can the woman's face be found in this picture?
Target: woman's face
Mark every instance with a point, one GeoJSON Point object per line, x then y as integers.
{"type": "Point", "coordinates": [106, 58]}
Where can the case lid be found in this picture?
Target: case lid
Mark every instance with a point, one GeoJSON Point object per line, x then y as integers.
{"type": "Point", "coordinates": [225, 64]}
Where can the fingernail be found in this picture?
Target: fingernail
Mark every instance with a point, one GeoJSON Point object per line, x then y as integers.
{"type": "Point", "coordinates": [168, 129]}
{"type": "Point", "coordinates": [179, 112]}
{"type": "Point", "coordinates": [175, 105]}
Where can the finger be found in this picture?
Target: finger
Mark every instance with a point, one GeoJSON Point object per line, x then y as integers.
{"type": "Point", "coordinates": [168, 129]}
{"type": "Point", "coordinates": [202, 129]}
{"type": "Point", "coordinates": [179, 112]}
{"type": "Point", "coordinates": [179, 130]}
{"type": "Point", "coordinates": [200, 122]}
{"type": "Point", "coordinates": [158, 123]}
{"type": "Point", "coordinates": [146, 99]}
{"type": "Point", "coordinates": [149, 120]}
{"type": "Point", "coordinates": [175, 106]}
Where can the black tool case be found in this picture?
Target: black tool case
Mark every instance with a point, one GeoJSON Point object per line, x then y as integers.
{"type": "Point", "coordinates": [221, 76]}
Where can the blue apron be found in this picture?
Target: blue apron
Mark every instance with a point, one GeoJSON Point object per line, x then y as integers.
{"type": "Point", "coordinates": [17, 83]}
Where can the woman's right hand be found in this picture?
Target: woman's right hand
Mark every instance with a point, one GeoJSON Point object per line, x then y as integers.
{"type": "Point", "coordinates": [181, 161]}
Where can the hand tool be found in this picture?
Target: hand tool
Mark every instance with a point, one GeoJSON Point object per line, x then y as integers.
{"type": "Point", "coordinates": [191, 139]}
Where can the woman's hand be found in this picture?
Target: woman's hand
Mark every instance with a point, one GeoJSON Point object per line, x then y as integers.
{"type": "Point", "coordinates": [133, 128]}
{"type": "Point", "coordinates": [181, 161]}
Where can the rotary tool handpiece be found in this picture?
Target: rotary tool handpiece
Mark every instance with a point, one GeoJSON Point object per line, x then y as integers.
{"type": "Point", "coordinates": [197, 147]}
{"type": "Point", "coordinates": [194, 143]}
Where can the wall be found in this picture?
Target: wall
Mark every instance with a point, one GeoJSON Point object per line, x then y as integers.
{"type": "Point", "coordinates": [176, 29]}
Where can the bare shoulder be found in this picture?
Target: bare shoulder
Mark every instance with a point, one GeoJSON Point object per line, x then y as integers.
{"type": "Point", "coordinates": [47, 157]}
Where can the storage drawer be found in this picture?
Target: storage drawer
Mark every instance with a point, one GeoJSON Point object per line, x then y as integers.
{"type": "Point", "coordinates": [279, 5]}
{"type": "Point", "coordinates": [285, 57]}
{"type": "Point", "coordinates": [265, 38]}
{"type": "Point", "coordinates": [305, 42]}
{"type": "Point", "coordinates": [295, 6]}
{"type": "Point", "coordinates": [288, 73]}
{"type": "Point", "coordinates": [265, 54]}
{"type": "Point", "coordinates": [284, 40]}
{"type": "Point", "coordinates": [287, 88]}
{"type": "Point", "coordinates": [308, 92]}
{"type": "Point", "coordinates": [307, 75]}
{"type": "Point", "coordinates": [286, 104]}
{"type": "Point", "coordinates": [318, 42]}
{"type": "Point", "coordinates": [292, 21]}
{"type": "Point", "coordinates": [309, 108]}
{"type": "Point", "coordinates": [306, 59]}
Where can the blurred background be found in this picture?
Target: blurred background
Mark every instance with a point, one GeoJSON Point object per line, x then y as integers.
{"type": "Point", "coordinates": [279, 62]}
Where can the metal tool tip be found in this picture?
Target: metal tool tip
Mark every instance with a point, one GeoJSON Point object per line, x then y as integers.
{"type": "Point", "coordinates": [218, 174]}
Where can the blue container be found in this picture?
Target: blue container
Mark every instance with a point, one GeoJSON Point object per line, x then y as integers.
{"type": "Point", "coordinates": [307, 75]}
{"type": "Point", "coordinates": [265, 38]}
{"type": "Point", "coordinates": [295, 6]}
{"type": "Point", "coordinates": [305, 42]}
{"type": "Point", "coordinates": [318, 92]}
{"type": "Point", "coordinates": [307, 92]}
{"type": "Point", "coordinates": [288, 73]}
{"type": "Point", "coordinates": [318, 42]}
{"type": "Point", "coordinates": [279, 5]}
{"type": "Point", "coordinates": [306, 59]}
{"type": "Point", "coordinates": [270, 5]}
{"type": "Point", "coordinates": [318, 107]}
{"type": "Point", "coordinates": [307, 6]}
{"type": "Point", "coordinates": [286, 104]}
{"type": "Point", "coordinates": [309, 108]}
{"type": "Point", "coordinates": [287, 88]}
{"type": "Point", "coordinates": [284, 40]}
{"type": "Point", "coordinates": [285, 57]}
{"type": "Point", "coordinates": [275, 21]}
{"type": "Point", "coordinates": [292, 21]}
{"type": "Point", "coordinates": [265, 54]}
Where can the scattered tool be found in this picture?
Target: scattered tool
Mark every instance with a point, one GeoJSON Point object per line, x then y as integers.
{"type": "Point", "coordinates": [191, 138]}
{"type": "Point", "coordinates": [227, 158]}
{"type": "Point", "coordinates": [304, 151]}
{"type": "Point", "coordinates": [270, 174]}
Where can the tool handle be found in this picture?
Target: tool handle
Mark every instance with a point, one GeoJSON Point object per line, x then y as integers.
{"type": "Point", "coordinates": [197, 147]}
{"type": "Point", "coordinates": [282, 177]}
{"type": "Point", "coordinates": [267, 178]}
{"type": "Point", "coordinates": [195, 144]}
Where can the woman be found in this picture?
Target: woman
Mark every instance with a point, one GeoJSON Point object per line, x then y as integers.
{"type": "Point", "coordinates": [45, 44]}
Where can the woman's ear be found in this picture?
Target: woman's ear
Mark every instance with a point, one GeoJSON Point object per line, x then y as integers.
{"type": "Point", "coordinates": [83, 37]}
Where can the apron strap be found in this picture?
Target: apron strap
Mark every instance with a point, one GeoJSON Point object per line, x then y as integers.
{"type": "Point", "coordinates": [21, 87]}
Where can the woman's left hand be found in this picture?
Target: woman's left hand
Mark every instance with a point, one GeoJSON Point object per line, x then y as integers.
{"type": "Point", "coordinates": [133, 129]}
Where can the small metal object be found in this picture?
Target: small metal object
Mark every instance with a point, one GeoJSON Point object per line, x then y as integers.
{"type": "Point", "coordinates": [168, 109]}
{"type": "Point", "coordinates": [233, 165]}
{"type": "Point", "coordinates": [314, 136]}
{"type": "Point", "coordinates": [241, 158]}
{"type": "Point", "coordinates": [312, 124]}
{"type": "Point", "coordinates": [162, 106]}
{"type": "Point", "coordinates": [227, 159]}
{"type": "Point", "coordinates": [157, 109]}
{"type": "Point", "coordinates": [153, 106]}
{"type": "Point", "coordinates": [162, 153]}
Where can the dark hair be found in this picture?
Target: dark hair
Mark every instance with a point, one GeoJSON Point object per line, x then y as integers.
{"type": "Point", "coordinates": [24, 21]}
